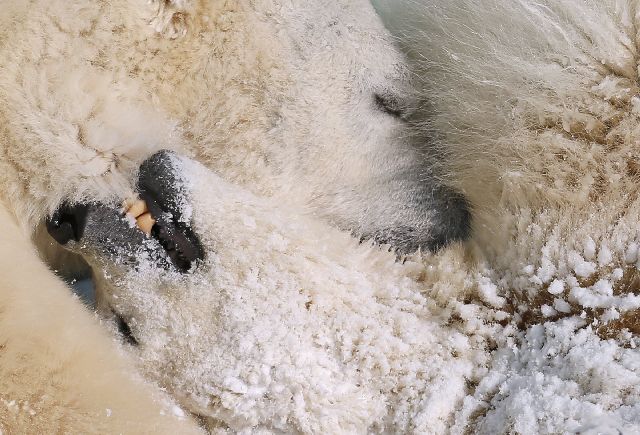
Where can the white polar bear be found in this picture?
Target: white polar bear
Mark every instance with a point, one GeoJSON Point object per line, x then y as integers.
{"type": "Point", "coordinates": [299, 92]}
{"type": "Point", "coordinates": [539, 134]}
{"type": "Point", "coordinates": [528, 108]}
{"type": "Point", "coordinates": [303, 103]}
{"type": "Point", "coordinates": [536, 103]}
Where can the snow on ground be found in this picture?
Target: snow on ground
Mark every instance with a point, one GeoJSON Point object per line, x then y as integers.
{"type": "Point", "coordinates": [556, 377]}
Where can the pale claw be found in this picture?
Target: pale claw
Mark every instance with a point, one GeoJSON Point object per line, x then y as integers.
{"type": "Point", "coordinates": [138, 210]}
{"type": "Point", "coordinates": [145, 222]}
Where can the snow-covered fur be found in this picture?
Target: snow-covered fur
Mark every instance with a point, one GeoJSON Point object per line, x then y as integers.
{"type": "Point", "coordinates": [536, 105]}
{"type": "Point", "coordinates": [301, 102]}
{"type": "Point", "coordinates": [532, 105]}
{"type": "Point", "coordinates": [289, 325]}
{"type": "Point", "coordinates": [302, 114]}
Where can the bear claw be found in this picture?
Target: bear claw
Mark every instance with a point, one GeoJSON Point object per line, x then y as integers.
{"type": "Point", "coordinates": [139, 211]}
{"type": "Point", "coordinates": [67, 223]}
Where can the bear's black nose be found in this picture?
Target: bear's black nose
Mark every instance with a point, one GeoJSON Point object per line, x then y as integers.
{"type": "Point", "coordinates": [67, 223]}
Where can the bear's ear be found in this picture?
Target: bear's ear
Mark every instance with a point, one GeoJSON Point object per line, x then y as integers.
{"type": "Point", "coordinates": [171, 18]}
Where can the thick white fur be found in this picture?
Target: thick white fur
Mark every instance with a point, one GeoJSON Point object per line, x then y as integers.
{"type": "Point", "coordinates": [275, 97]}
{"type": "Point", "coordinates": [536, 105]}
{"type": "Point", "coordinates": [291, 326]}
{"type": "Point", "coordinates": [262, 108]}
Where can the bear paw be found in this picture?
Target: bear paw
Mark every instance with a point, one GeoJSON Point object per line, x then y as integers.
{"type": "Point", "coordinates": [156, 226]}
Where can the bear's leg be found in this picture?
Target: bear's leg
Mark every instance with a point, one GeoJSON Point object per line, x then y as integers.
{"type": "Point", "coordinates": [59, 370]}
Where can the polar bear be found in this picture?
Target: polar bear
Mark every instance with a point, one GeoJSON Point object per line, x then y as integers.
{"type": "Point", "coordinates": [116, 113]}
{"type": "Point", "coordinates": [536, 103]}
{"type": "Point", "coordinates": [524, 114]}
{"type": "Point", "coordinates": [302, 103]}
{"type": "Point", "coordinates": [532, 320]}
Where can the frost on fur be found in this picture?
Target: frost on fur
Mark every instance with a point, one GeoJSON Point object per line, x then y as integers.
{"type": "Point", "coordinates": [290, 326]}
{"type": "Point", "coordinates": [303, 122]}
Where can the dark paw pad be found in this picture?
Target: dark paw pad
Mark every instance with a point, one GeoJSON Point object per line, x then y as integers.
{"type": "Point", "coordinates": [68, 223]}
{"type": "Point", "coordinates": [162, 189]}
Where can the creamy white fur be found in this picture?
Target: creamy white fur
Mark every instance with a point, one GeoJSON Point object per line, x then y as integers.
{"type": "Point", "coordinates": [262, 108]}
{"type": "Point", "coordinates": [534, 106]}
{"type": "Point", "coordinates": [290, 325]}
{"type": "Point", "coordinates": [277, 98]}
{"type": "Point", "coordinates": [535, 101]}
